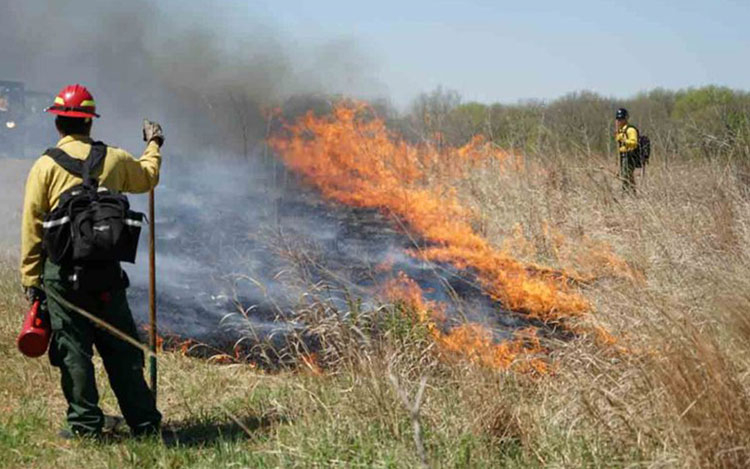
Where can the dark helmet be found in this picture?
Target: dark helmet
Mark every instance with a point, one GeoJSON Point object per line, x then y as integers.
{"type": "Point", "coordinates": [621, 113]}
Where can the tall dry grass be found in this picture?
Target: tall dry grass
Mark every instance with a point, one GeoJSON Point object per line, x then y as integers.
{"type": "Point", "coordinates": [671, 283]}
{"type": "Point", "coordinates": [671, 270]}
{"type": "Point", "coordinates": [676, 386]}
{"type": "Point", "coordinates": [667, 273]}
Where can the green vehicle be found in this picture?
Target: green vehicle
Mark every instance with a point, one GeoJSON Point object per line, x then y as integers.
{"type": "Point", "coordinates": [22, 120]}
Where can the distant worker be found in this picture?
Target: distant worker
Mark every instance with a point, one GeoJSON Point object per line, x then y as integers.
{"type": "Point", "coordinates": [81, 268]}
{"type": "Point", "coordinates": [627, 146]}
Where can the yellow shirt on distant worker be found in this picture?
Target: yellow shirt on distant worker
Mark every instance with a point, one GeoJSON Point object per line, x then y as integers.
{"type": "Point", "coordinates": [47, 180]}
{"type": "Point", "coordinates": [627, 139]}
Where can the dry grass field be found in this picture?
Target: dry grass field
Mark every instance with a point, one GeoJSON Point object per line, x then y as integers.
{"type": "Point", "coordinates": [676, 393]}
{"type": "Point", "coordinates": [658, 374]}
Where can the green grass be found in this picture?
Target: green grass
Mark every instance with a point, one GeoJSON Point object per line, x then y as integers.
{"type": "Point", "coordinates": [290, 419]}
{"type": "Point", "coordinates": [348, 418]}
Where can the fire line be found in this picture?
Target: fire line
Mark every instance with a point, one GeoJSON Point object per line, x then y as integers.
{"type": "Point", "coordinates": [351, 157]}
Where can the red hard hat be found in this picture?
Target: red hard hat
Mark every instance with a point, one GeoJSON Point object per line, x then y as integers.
{"type": "Point", "coordinates": [74, 101]}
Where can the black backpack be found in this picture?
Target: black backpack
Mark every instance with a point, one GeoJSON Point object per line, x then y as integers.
{"type": "Point", "coordinates": [643, 151]}
{"type": "Point", "coordinates": [90, 224]}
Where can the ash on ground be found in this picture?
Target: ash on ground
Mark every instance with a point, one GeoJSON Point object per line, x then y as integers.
{"type": "Point", "coordinates": [239, 245]}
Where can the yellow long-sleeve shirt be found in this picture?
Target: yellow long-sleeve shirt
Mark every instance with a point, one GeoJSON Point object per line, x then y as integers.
{"type": "Point", "coordinates": [627, 139]}
{"type": "Point", "coordinates": [47, 181]}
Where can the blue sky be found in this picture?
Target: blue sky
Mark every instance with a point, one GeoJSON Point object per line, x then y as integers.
{"type": "Point", "coordinates": [510, 50]}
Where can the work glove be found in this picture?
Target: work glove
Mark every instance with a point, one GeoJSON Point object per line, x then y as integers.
{"type": "Point", "coordinates": [34, 293]}
{"type": "Point", "coordinates": [153, 131]}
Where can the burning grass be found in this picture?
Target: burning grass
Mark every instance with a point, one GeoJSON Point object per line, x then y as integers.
{"type": "Point", "coordinates": [469, 341]}
{"type": "Point", "coordinates": [552, 236]}
{"type": "Point", "coordinates": [351, 157]}
{"type": "Point", "coordinates": [667, 273]}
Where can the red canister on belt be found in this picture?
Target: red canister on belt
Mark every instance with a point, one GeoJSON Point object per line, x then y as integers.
{"type": "Point", "coordinates": [34, 337]}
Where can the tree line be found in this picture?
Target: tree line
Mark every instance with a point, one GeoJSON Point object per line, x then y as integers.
{"type": "Point", "coordinates": [707, 122]}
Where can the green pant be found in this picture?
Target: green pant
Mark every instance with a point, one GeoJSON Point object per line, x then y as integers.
{"type": "Point", "coordinates": [627, 172]}
{"type": "Point", "coordinates": [71, 349]}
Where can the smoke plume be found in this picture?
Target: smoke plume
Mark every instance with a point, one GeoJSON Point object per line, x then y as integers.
{"type": "Point", "coordinates": [236, 231]}
{"type": "Point", "coordinates": [175, 62]}
{"type": "Point", "coordinates": [219, 201]}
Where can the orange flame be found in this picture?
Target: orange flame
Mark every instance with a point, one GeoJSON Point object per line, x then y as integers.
{"type": "Point", "coordinates": [472, 342]}
{"type": "Point", "coordinates": [311, 362]}
{"type": "Point", "coordinates": [403, 288]}
{"type": "Point", "coordinates": [351, 157]}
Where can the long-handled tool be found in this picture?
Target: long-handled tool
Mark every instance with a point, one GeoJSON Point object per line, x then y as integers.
{"type": "Point", "coordinates": [152, 289]}
{"type": "Point", "coordinates": [152, 131]}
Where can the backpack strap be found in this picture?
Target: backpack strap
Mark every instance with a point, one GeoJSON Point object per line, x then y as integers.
{"type": "Point", "coordinates": [81, 168]}
{"type": "Point", "coordinates": [95, 159]}
{"type": "Point", "coordinates": [72, 165]}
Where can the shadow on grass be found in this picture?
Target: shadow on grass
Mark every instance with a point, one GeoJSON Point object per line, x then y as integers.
{"type": "Point", "coordinates": [196, 432]}
{"type": "Point", "coordinates": [202, 433]}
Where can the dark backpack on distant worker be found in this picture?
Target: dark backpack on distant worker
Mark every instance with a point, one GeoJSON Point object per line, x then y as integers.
{"type": "Point", "coordinates": [91, 225]}
{"type": "Point", "coordinates": [642, 152]}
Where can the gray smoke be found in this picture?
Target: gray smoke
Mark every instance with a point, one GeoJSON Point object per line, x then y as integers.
{"type": "Point", "coordinates": [209, 88]}
{"type": "Point", "coordinates": [234, 229]}
{"type": "Point", "coordinates": [172, 62]}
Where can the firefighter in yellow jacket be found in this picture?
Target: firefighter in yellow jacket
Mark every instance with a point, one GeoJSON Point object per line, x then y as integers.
{"type": "Point", "coordinates": [73, 336]}
{"type": "Point", "coordinates": [627, 146]}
